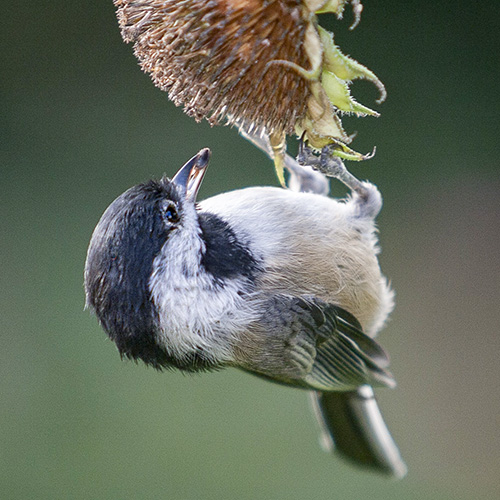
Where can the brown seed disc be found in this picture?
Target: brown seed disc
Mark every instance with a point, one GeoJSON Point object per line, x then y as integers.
{"type": "Point", "coordinates": [212, 57]}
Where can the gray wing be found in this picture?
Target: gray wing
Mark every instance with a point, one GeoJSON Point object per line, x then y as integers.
{"type": "Point", "coordinates": [345, 357]}
{"type": "Point", "coordinates": [306, 342]}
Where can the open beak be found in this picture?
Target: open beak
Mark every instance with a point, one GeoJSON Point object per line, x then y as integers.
{"type": "Point", "coordinates": [189, 177]}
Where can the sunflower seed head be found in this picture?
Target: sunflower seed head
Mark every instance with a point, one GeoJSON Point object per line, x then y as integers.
{"type": "Point", "coordinates": [262, 65]}
{"type": "Point", "coordinates": [212, 57]}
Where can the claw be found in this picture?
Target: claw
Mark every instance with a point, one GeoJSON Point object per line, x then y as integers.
{"type": "Point", "coordinates": [302, 146]}
{"type": "Point", "coordinates": [331, 165]}
{"type": "Point", "coordinates": [305, 155]}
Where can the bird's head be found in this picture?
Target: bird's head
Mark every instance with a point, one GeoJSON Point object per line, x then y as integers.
{"type": "Point", "coordinates": [136, 228]}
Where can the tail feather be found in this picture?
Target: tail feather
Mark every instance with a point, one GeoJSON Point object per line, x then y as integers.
{"type": "Point", "coordinates": [353, 426]}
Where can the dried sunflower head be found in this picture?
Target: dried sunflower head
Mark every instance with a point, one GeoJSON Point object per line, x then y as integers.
{"type": "Point", "coordinates": [263, 65]}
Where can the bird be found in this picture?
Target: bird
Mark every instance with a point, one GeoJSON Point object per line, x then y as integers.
{"type": "Point", "coordinates": [281, 284]}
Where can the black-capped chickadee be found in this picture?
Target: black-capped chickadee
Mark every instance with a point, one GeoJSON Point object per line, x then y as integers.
{"type": "Point", "coordinates": [285, 285]}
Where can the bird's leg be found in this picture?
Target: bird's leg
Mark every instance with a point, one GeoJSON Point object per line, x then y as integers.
{"type": "Point", "coordinates": [368, 196]}
{"type": "Point", "coordinates": [301, 178]}
{"type": "Point", "coordinates": [331, 166]}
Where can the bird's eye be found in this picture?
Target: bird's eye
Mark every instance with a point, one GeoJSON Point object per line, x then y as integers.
{"type": "Point", "coordinates": [171, 213]}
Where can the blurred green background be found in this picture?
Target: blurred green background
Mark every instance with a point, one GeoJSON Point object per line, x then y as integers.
{"type": "Point", "coordinates": [80, 123]}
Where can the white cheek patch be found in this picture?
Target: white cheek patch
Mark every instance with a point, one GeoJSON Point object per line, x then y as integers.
{"type": "Point", "coordinates": [196, 312]}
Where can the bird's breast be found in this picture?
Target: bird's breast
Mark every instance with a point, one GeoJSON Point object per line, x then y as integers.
{"type": "Point", "coordinates": [310, 245]}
